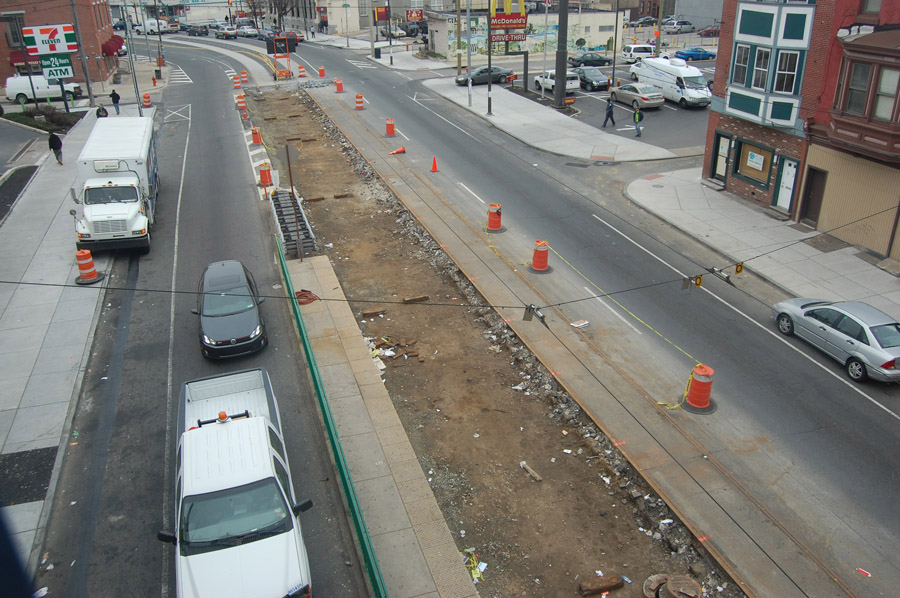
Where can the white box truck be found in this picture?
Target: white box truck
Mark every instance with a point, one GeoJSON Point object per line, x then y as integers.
{"type": "Point", "coordinates": [677, 81]}
{"type": "Point", "coordinates": [237, 527]}
{"type": "Point", "coordinates": [119, 185]}
{"type": "Point", "coordinates": [151, 27]}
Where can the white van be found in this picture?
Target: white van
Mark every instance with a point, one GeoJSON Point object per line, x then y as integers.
{"type": "Point", "coordinates": [677, 81]}
{"type": "Point", "coordinates": [635, 52]}
{"type": "Point", "coordinates": [151, 27]}
{"type": "Point", "coordinates": [18, 89]}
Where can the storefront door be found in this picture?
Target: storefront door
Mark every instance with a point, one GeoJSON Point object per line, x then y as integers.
{"type": "Point", "coordinates": [720, 159]}
{"type": "Point", "coordinates": [787, 179]}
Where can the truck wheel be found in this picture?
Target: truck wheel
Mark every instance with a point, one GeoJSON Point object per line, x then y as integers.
{"type": "Point", "coordinates": [21, 98]}
{"type": "Point", "coordinates": [682, 103]}
{"type": "Point", "coordinates": [146, 250]}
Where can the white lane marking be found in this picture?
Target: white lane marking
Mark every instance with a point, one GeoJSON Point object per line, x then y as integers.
{"type": "Point", "coordinates": [614, 312]}
{"type": "Point", "coordinates": [852, 386]}
{"type": "Point", "coordinates": [399, 132]}
{"type": "Point", "coordinates": [472, 192]}
{"type": "Point", "coordinates": [455, 126]}
{"type": "Point", "coordinates": [670, 108]}
{"type": "Point", "coordinates": [167, 509]}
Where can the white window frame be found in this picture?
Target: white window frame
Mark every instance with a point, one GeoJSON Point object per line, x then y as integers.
{"type": "Point", "coordinates": [787, 73]}
{"type": "Point", "coordinates": [763, 71]}
{"type": "Point", "coordinates": [738, 65]}
{"type": "Point", "coordinates": [884, 94]}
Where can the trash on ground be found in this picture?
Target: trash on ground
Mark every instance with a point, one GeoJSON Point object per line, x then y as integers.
{"type": "Point", "coordinates": [599, 586]}
{"type": "Point", "coordinates": [579, 324]}
{"type": "Point", "coordinates": [530, 471]}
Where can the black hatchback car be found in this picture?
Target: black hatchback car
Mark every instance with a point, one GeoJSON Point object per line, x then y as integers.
{"type": "Point", "coordinates": [228, 306]}
{"type": "Point", "coordinates": [197, 30]}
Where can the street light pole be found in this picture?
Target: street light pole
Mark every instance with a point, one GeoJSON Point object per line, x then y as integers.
{"type": "Point", "coordinates": [84, 61]}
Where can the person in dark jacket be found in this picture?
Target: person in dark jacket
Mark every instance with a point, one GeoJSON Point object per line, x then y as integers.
{"type": "Point", "coordinates": [56, 145]}
{"type": "Point", "coordinates": [102, 112]}
{"type": "Point", "coordinates": [609, 113]}
{"type": "Point", "coordinates": [115, 100]}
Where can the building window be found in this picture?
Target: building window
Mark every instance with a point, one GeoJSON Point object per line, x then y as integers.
{"type": "Point", "coordinates": [741, 62]}
{"type": "Point", "coordinates": [786, 72]}
{"type": "Point", "coordinates": [753, 162]}
{"type": "Point", "coordinates": [871, 6]}
{"type": "Point", "coordinates": [886, 95]}
{"type": "Point", "coordinates": [856, 92]}
{"type": "Point", "coordinates": [761, 68]}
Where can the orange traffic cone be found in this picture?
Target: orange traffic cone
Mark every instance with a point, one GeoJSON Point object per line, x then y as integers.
{"type": "Point", "coordinates": [434, 165]}
{"type": "Point", "coordinates": [400, 150]}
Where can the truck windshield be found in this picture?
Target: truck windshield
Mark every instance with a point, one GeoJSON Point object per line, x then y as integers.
{"type": "Point", "coordinates": [698, 82]}
{"type": "Point", "coordinates": [233, 517]}
{"type": "Point", "coordinates": [99, 195]}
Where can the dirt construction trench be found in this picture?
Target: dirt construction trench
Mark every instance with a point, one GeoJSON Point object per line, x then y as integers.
{"type": "Point", "coordinates": [480, 404]}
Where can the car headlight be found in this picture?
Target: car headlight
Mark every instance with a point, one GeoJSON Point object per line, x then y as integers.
{"type": "Point", "coordinates": [207, 340]}
{"type": "Point", "coordinates": [256, 331]}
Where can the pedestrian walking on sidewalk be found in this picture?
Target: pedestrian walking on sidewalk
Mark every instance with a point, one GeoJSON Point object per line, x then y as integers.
{"type": "Point", "coordinates": [102, 112]}
{"type": "Point", "coordinates": [609, 113]}
{"type": "Point", "coordinates": [312, 31]}
{"type": "Point", "coordinates": [56, 145]}
{"type": "Point", "coordinates": [115, 100]}
{"type": "Point", "coordinates": [638, 118]}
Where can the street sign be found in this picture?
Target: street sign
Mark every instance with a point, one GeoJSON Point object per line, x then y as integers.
{"type": "Point", "coordinates": [507, 37]}
{"type": "Point", "coordinates": [57, 66]}
{"type": "Point", "coordinates": [49, 39]}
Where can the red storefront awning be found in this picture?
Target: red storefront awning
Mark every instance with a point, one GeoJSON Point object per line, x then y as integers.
{"type": "Point", "coordinates": [16, 59]}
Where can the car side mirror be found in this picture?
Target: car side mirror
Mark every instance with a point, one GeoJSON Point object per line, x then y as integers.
{"type": "Point", "coordinates": [167, 537]}
{"type": "Point", "coordinates": [195, 311]}
{"type": "Point", "coordinates": [303, 506]}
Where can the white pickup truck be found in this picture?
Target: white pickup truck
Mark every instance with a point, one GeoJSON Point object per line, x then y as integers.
{"type": "Point", "coordinates": [547, 80]}
{"type": "Point", "coordinates": [237, 528]}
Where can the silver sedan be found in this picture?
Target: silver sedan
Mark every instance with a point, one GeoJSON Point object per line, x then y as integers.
{"type": "Point", "coordinates": [639, 95]}
{"type": "Point", "coordinates": [864, 339]}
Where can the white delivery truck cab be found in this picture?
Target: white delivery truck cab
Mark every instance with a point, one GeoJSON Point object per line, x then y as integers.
{"type": "Point", "coordinates": [151, 26]}
{"type": "Point", "coordinates": [119, 185]}
{"type": "Point", "coordinates": [677, 81]}
{"type": "Point", "coordinates": [237, 528]}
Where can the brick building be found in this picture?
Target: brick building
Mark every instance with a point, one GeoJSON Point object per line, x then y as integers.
{"type": "Point", "coordinates": [803, 89]}
{"type": "Point", "coordinates": [94, 29]}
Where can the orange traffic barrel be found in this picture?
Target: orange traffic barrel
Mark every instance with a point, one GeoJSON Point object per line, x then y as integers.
{"type": "Point", "coordinates": [389, 127]}
{"type": "Point", "coordinates": [257, 136]}
{"type": "Point", "coordinates": [241, 102]}
{"type": "Point", "coordinates": [301, 71]}
{"type": "Point", "coordinates": [541, 257]}
{"type": "Point", "coordinates": [494, 224]}
{"type": "Point", "coordinates": [699, 390]}
{"type": "Point", "coordinates": [244, 77]}
{"type": "Point", "coordinates": [339, 85]}
{"type": "Point", "coordinates": [322, 72]}
{"type": "Point", "coordinates": [87, 274]}
{"type": "Point", "coordinates": [359, 101]}
{"type": "Point", "coordinates": [265, 174]}
{"type": "Point", "coordinates": [237, 82]}
{"type": "Point", "coordinates": [146, 102]}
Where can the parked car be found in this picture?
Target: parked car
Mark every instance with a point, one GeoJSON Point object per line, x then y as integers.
{"type": "Point", "coordinates": [679, 27]}
{"type": "Point", "coordinates": [633, 52]}
{"type": "Point", "coordinates": [228, 306]}
{"type": "Point", "coordinates": [592, 78]}
{"type": "Point", "coordinates": [247, 31]}
{"type": "Point", "coordinates": [119, 25]}
{"type": "Point", "coordinates": [695, 53]}
{"type": "Point", "coordinates": [642, 22]}
{"type": "Point", "coordinates": [226, 32]}
{"type": "Point", "coordinates": [637, 95]}
{"type": "Point", "coordinates": [498, 74]}
{"type": "Point", "coordinates": [711, 31]}
{"type": "Point", "coordinates": [294, 35]}
{"type": "Point", "coordinates": [863, 338]}
{"type": "Point", "coordinates": [265, 34]}
{"type": "Point", "coordinates": [547, 80]}
{"type": "Point", "coordinates": [197, 30]}
{"type": "Point", "coordinates": [589, 59]}
{"type": "Point", "coordinates": [393, 32]}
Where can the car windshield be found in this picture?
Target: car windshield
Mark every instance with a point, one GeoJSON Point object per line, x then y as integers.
{"type": "Point", "coordinates": [225, 302]}
{"type": "Point", "coordinates": [101, 195]}
{"type": "Point", "coordinates": [592, 72]}
{"type": "Point", "coordinates": [233, 517]}
{"type": "Point", "coordinates": [698, 82]}
{"type": "Point", "coordinates": [887, 335]}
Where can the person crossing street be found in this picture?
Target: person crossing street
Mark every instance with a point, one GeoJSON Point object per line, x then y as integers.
{"type": "Point", "coordinates": [638, 118]}
{"type": "Point", "coordinates": [609, 113]}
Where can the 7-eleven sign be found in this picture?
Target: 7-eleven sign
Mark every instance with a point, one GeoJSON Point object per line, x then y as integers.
{"type": "Point", "coordinates": [50, 39]}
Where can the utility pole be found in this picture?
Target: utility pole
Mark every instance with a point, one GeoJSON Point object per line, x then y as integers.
{"type": "Point", "coordinates": [615, 47]}
{"type": "Point", "coordinates": [559, 88]}
{"type": "Point", "coordinates": [459, 40]}
{"type": "Point", "coordinates": [84, 61]}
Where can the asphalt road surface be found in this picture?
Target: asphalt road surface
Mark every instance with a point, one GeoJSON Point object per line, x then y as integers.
{"type": "Point", "coordinates": [117, 483]}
